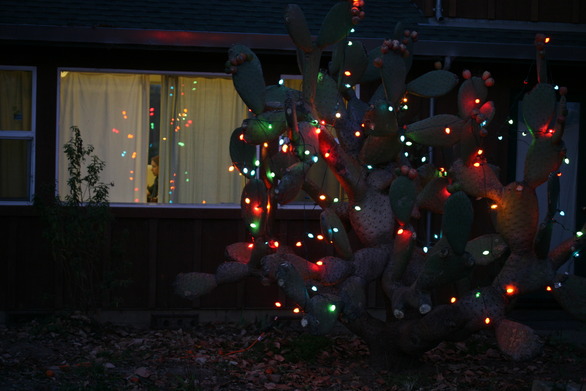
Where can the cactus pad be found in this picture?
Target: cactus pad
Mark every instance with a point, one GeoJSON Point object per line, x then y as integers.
{"type": "Point", "coordinates": [543, 158]}
{"type": "Point", "coordinates": [333, 229]}
{"type": "Point", "coordinates": [487, 248]}
{"type": "Point", "coordinates": [336, 25]}
{"type": "Point", "coordinates": [229, 272]}
{"type": "Point", "coordinates": [264, 127]}
{"type": "Point", "coordinates": [517, 216]}
{"type": "Point", "coordinates": [471, 96]}
{"type": "Point", "coordinates": [433, 84]}
{"type": "Point", "coordinates": [539, 108]}
{"type": "Point", "coordinates": [291, 183]}
{"type": "Point", "coordinates": [297, 27]}
{"type": "Point", "coordinates": [442, 130]}
{"type": "Point", "coordinates": [402, 195]}
{"type": "Point", "coordinates": [248, 79]}
{"type": "Point", "coordinates": [193, 285]}
{"type": "Point", "coordinates": [243, 155]}
{"type": "Point", "coordinates": [292, 283]}
{"type": "Point", "coordinates": [457, 221]}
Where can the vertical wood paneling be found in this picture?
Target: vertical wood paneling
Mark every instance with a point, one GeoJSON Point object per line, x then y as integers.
{"type": "Point", "coordinates": [520, 10]}
{"type": "Point", "coordinates": [491, 9]}
{"type": "Point", "coordinates": [534, 11]}
{"type": "Point", "coordinates": [452, 9]}
{"type": "Point", "coordinates": [152, 261]}
{"type": "Point", "coordinates": [133, 236]}
{"type": "Point", "coordinates": [575, 11]}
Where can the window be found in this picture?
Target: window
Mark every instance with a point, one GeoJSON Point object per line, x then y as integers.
{"type": "Point", "coordinates": [129, 118]}
{"type": "Point", "coordinates": [17, 133]}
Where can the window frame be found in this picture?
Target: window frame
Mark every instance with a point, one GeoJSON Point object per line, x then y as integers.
{"type": "Point", "coordinates": [25, 135]}
{"type": "Point", "coordinates": [297, 206]}
{"type": "Point", "coordinates": [115, 204]}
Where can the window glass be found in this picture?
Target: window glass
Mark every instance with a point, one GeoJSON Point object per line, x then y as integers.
{"type": "Point", "coordinates": [164, 138]}
{"type": "Point", "coordinates": [15, 169]}
{"type": "Point", "coordinates": [16, 134]}
{"type": "Point", "coordinates": [15, 100]}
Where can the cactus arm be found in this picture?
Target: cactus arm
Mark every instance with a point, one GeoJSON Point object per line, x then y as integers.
{"type": "Point", "coordinates": [336, 25]}
{"type": "Point", "coordinates": [538, 107]}
{"type": "Point", "coordinates": [248, 78]}
{"type": "Point", "coordinates": [346, 169]}
{"type": "Point", "coordinates": [560, 255]}
{"type": "Point", "coordinates": [243, 154]}
{"type": "Point", "coordinates": [292, 283]}
{"type": "Point", "coordinates": [402, 195]}
{"type": "Point", "coordinates": [297, 28]}
{"type": "Point", "coordinates": [333, 229]}
{"type": "Point", "coordinates": [543, 237]}
{"type": "Point", "coordinates": [253, 203]}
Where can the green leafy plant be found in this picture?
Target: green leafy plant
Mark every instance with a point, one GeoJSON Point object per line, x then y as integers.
{"type": "Point", "coordinates": [77, 228]}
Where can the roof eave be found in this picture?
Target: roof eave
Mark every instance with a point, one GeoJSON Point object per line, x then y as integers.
{"type": "Point", "coordinates": [281, 42]}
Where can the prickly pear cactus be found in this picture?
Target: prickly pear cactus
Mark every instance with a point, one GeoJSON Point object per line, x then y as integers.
{"type": "Point", "coordinates": [362, 143]}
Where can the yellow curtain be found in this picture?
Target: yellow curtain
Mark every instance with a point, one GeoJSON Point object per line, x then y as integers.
{"type": "Point", "coordinates": [198, 115]}
{"type": "Point", "coordinates": [111, 111]}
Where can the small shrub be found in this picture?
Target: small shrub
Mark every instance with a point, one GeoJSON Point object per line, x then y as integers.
{"type": "Point", "coordinates": [77, 228]}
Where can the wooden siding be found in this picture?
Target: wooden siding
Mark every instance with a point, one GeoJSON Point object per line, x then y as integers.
{"type": "Point", "coordinates": [159, 244]}
{"type": "Point", "coordinates": [573, 11]}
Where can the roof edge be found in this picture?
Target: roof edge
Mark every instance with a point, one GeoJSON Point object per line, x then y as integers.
{"type": "Point", "coordinates": [280, 42]}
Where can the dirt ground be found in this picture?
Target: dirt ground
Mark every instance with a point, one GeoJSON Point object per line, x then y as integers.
{"type": "Point", "coordinates": [74, 353]}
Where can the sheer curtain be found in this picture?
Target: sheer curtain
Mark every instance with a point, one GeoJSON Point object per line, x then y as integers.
{"type": "Point", "coordinates": [112, 113]}
{"type": "Point", "coordinates": [198, 116]}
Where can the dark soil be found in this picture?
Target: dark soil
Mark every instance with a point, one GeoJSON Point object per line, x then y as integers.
{"type": "Point", "coordinates": [75, 353]}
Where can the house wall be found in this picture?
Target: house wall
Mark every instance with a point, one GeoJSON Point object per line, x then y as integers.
{"type": "Point", "coordinates": [162, 242]}
{"type": "Point", "coordinates": [524, 10]}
